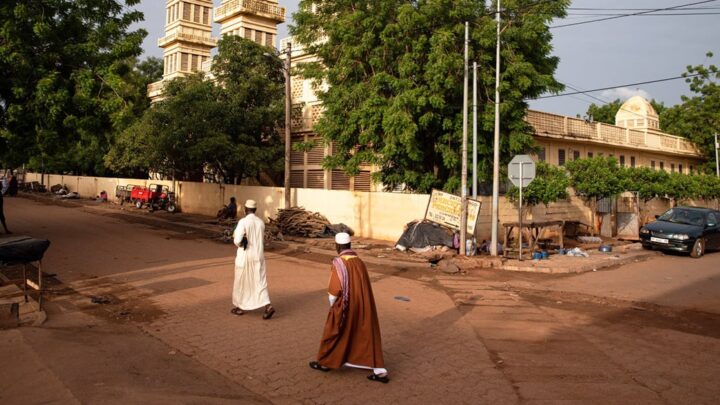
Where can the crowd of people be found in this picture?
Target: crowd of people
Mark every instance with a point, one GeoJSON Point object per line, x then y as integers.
{"type": "Point", "coordinates": [351, 337]}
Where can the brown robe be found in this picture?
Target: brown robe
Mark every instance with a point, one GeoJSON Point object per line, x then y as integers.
{"type": "Point", "coordinates": [356, 338]}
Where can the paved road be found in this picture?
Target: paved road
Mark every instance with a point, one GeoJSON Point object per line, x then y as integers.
{"type": "Point", "coordinates": [484, 337]}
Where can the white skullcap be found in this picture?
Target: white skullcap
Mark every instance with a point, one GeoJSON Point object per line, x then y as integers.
{"type": "Point", "coordinates": [342, 238]}
{"type": "Point", "coordinates": [250, 204]}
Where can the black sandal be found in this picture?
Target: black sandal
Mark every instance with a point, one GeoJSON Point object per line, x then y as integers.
{"type": "Point", "coordinates": [269, 313]}
{"type": "Point", "coordinates": [317, 366]}
{"type": "Point", "coordinates": [379, 378]}
{"type": "Point", "coordinates": [237, 311]}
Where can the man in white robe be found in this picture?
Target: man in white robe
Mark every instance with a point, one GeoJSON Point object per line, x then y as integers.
{"type": "Point", "coordinates": [250, 288]}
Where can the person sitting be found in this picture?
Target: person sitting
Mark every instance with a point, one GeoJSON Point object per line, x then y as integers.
{"type": "Point", "coordinates": [229, 211]}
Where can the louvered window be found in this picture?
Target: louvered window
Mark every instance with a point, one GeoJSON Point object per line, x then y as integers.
{"type": "Point", "coordinates": [340, 180]}
{"type": "Point", "coordinates": [296, 179]}
{"type": "Point", "coordinates": [316, 154]}
{"type": "Point", "coordinates": [362, 181]}
{"type": "Point", "coordinates": [316, 179]}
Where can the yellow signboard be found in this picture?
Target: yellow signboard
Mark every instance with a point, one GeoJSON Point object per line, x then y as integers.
{"type": "Point", "coordinates": [445, 209]}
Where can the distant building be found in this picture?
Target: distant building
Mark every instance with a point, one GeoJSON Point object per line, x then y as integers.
{"type": "Point", "coordinates": [635, 140]}
{"type": "Point", "coordinates": [188, 41]}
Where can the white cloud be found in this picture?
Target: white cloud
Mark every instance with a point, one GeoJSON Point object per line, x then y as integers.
{"type": "Point", "coordinates": [624, 93]}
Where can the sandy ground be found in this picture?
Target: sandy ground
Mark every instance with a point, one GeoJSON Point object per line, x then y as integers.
{"type": "Point", "coordinates": [642, 333]}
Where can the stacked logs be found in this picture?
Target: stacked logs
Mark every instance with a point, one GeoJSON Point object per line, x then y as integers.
{"type": "Point", "coordinates": [297, 221]}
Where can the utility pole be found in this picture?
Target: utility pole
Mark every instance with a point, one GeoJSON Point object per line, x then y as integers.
{"type": "Point", "coordinates": [463, 194]}
{"type": "Point", "coordinates": [475, 108]}
{"type": "Point", "coordinates": [496, 146]}
{"type": "Point", "coordinates": [288, 112]}
{"type": "Point", "coordinates": [717, 162]}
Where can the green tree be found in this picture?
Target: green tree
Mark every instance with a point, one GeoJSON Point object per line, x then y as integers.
{"type": "Point", "coordinates": [606, 113]}
{"type": "Point", "coordinates": [395, 75]}
{"type": "Point", "coordinates": [550, 185]}
{"type": "Point", "coordinates": [228, 126]}
{"type": "Point", "coordinates": [698, 117]}
{"type": "Point", "coordinates": [68, 81]}
{"type": "Point", "coordinates": [595, 178]}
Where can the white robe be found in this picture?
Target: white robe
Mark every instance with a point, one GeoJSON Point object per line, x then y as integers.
{"type": "Point", "coordinates": [250, 288]}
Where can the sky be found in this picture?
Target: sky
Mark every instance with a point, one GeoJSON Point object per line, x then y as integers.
{"type": "Point", "coordinates": [610, 53]}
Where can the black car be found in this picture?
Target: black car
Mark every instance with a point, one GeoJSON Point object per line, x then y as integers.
{"type": "Point", "coordinates": [683, 229]}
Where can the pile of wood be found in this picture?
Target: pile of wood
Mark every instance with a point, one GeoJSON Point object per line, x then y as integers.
{"type": "Point", "coordinates": [297, 221]}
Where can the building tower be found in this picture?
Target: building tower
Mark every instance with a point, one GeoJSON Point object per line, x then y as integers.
{"type": "Point", "coordinates": [256, 20]}
{"type": "Point", "coordinates": [187, 42]}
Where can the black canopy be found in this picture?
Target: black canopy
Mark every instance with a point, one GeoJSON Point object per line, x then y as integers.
{"type": "Point", "coordinates": [22, 249]}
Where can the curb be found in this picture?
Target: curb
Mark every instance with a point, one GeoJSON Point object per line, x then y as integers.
{"type": "Point", "coordinates": [584, 268]}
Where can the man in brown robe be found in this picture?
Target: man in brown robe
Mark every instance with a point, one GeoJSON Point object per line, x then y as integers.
{"type": "Point", "coordinates": [352, 331]}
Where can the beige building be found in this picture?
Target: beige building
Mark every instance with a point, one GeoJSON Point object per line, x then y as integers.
{"type": "Point", "coordinates": [635, 140]}
{"type": "Point", "coordinates": [188, 41]}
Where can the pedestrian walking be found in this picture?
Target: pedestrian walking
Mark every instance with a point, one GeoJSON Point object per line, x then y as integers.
{"type": "Point", "coordinates": [12, 185]}
{"type": "Point", "coordinates": [2, 215]}
{"type": "Point", "coordinates": [352, 332]}
{"type": "Point", "coordinates": [250, 289]}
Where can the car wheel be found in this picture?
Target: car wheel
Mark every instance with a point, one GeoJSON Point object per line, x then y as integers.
{"type": "Point", "coordinates": [171, 208]}
{"type": "Point", "coordinates": [646, 246]}
{"type": "Point", "coordinates": [698, 248]}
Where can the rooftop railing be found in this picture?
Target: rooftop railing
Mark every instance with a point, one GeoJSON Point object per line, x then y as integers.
{"type": "Point", "coordinates": [182, 36]}
{"type": "Point", "coordinates": [559, 126]}
{"type": "Point", "coordinates": [258, 7]}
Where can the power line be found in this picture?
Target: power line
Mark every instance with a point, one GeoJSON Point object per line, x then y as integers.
{"type": "Point", "coordinates": [617, 87]}
{"type": "Point", "coordinates": [633, 14]}
{"type": "Point", "coordinates": [641, 15]}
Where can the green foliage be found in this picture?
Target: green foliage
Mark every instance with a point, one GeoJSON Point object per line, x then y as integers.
{"type": "Point", "coordinates": [68, 83]}
{"type": "Point", "coordinates": [550, 185]}
{"type": "Point", "coordinates": [229, 126]}
{"type": "Point", "coordinates": [698, 117]}
{"type": "Point", "coordinates": [606, 113]}
{"type": "Point", "coordinates": [596, 177]}
{"type": "Point", "coordinates": [395, 75]}
{"type": "Point", "coordinates": [647, 182]}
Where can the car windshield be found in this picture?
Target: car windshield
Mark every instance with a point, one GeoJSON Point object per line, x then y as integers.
{"type": "Point", "coordinates": [682, 216]}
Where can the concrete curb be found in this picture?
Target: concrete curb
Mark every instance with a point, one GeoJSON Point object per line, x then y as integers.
{"type": "Point", "coordinates": [534, 266]}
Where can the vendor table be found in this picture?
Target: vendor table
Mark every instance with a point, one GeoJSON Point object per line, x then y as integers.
{"type": "Point", "coordinates": [535, 230]}
{"type": "Point", "coordinates": [23, 250]}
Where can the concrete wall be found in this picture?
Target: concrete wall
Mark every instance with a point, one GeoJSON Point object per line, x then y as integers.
{"type": "Point", "coordinates": [375, 215]}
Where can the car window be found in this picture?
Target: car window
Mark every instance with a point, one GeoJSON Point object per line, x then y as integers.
{"type": "Point", "coordinates": [712, 219]}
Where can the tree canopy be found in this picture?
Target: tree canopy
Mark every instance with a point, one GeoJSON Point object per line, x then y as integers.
{"type": "Point", "coordinates": [68, 81]}
{"type": "Point", "coordinates": [550, 185]}
{"type": "Point", "coordinates": [698, 116]}
{"type": "Point", "coordinates": [228, 126]}
{"type": "Point", "coordinates": [395, 75]}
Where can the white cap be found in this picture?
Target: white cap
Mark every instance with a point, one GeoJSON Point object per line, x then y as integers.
{"type": "Point", "coordinates": [250, 204]}
{"type": "Point", "coordinates": [342, 238]}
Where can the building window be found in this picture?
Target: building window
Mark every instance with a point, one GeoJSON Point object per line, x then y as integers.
{"type": "Point", "coordinates": [187, 8]}
{"type": "Point", "coordinates": [691, 169]}
{"type": "Point", "coordinates": [258, 37]}
{"type": "Point", "coordinates": [268, 39]}
{"type": "Point", "coordinates": [672, 167]}
{"type": "Point", "coordinates": [184, 61]}
{"type": "Point", "coordinates": [541, 154]}
{"type": "Point", "coordinates": [576, 154]}
{"type": "Point", "coordinates": [622, 160]}
{"type": "Point", "coordinates": [652, 164]}
{"type": "Point", "coordinates": [248, 33]}
{"type": "Point", "coordinates": [632, 161]}
{"type": "Point", "coordinates": [680, 168]}
{"type": "Point", "coordinates": [590, 154]}
{"type": "Point", "coordinates": [662, 165]}
{"type": "Point", "coordinates": [561, 157]}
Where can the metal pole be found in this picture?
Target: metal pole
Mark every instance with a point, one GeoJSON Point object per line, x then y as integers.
{"type": "Point", "coordinates": [520, 214]}
{"type": "Point", "coordinates": [288, 111]}
{"type": "Point", "coordinates": [463, 194]}
{"type": "Point", "coordinates": [475, 107]}
{"type": "Point", "coordinates": [717, 162]}
{"type": "Point", "coordinates": [496, 146]}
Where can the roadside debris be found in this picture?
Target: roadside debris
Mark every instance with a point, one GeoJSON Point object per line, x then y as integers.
{"type": "Point", "coordinates": [101, 299]}
{"type": "Point", "coordinates": [577, 252]}
{"type": "Point", "coordinates": [297, 221]}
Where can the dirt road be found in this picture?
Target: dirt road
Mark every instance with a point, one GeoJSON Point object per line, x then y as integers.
{"type": "Point", "coordinates": [645, 333]}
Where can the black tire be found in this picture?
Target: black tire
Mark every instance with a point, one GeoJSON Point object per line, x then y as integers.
{"type": "Point", "coordinates": [698, 249]}
{"type": "Point", "coordinates": [138, 204]}
{"type": "Point", "coordinates": [646, 246]}
{"type": "Point", "coordinates": [171, 208]}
